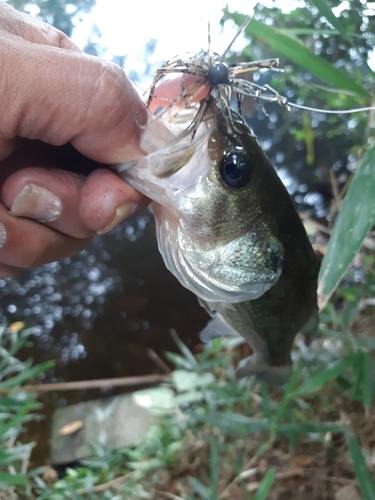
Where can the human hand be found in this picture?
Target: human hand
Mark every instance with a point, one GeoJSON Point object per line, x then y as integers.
{"type": "Point", "coordinates": [60, 108]}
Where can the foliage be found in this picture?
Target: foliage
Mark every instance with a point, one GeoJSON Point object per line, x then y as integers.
{"type": "Point", "coordinates": [63, 14]}
{"type": "Point", "coordinates": [356, 217]}
{"type": "Point", "coordinates": [214, 445]}
{"type": "Point", "coordinates": [16, 408]}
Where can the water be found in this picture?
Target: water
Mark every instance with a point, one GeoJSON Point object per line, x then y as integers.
{"type": "Point", "coordinates": [98, 313]}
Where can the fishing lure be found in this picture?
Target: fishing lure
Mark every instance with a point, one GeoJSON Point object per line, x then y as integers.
{"type": "Point", "coordinates": [215, 77]}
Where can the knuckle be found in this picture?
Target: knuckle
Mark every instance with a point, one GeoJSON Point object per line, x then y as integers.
{"type": "Point", "coordinates": [111, 82]}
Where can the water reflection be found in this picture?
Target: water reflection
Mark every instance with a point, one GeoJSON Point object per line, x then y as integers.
{"type": "Point", "coordinates": [108, 294]}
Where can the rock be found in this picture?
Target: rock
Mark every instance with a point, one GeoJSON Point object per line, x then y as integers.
{"type": "Point", "coordinates": [113, 423]}
{"type": "Point", "coordinates": [348, 492]}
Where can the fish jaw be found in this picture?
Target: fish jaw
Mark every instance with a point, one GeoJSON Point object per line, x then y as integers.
{"type": "Point", "coordinates": [208, 269]}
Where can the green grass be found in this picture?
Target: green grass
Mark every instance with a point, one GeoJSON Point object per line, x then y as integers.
{"type": "Point", "coordinates": [224, 438]}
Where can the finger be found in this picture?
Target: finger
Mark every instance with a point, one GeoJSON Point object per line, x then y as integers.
{"type": "Point", "coordinates": [172, 88]}
{"type": "Point", "coordinates": [25, 243]}
{"type": "Point", "coordinates": [60, 96]}
{"type": "Point", "coordinates": [106, 200]}
{"type": "Point", "coordinates": [32, 29]}
{"type": "Point", "coordinates": [48, 196]}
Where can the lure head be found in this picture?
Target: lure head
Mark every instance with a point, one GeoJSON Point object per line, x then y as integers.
{"type": "Point", "coordinates": [212, 230]}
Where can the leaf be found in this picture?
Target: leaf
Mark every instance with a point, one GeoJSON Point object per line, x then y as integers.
{"type": "Point", "coordinates": [266, 484]}
{"type": "Point", "coordinates": [158, 400]}
{"type": "Point", "coordinates": [26, 375]}
{"type": "Point", "coordinates": [367, 386]}
{"type": "Point", "coordinates": [12, 479]}
{"type": "Point", "coordinates": [361, 471]}
{"type": "Point", "coordinates": [184, 380]}
{"type": "Point", "coordinates": [316, 382]}
{"type": "Point", "coordinates": [296, 52]}
{"type": "Point", "coordinates": [188, 355]}
{"type": "Point", "coordinates": [214, 469]}
{"type": "Point", "coordinates": [355, 219]}
{"type": "Point", "coordinates": [308, 428]}
{"type": "Point", "coordinates": [200, 488]}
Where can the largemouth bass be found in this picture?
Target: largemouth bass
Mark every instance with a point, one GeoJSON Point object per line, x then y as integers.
{"type": "Point", "coordinates": [229, 232]}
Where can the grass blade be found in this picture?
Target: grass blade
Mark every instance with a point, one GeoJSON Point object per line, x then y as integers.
{"type": "Point", "coordinates": [316, 382]}
{"type": "Point", "coordinates": [200, 488]}
{"type": "Point", "coordinates": [355, 219]}
{"type": "Point", "coordinates": [188, 355]}
{"type": "Point", "coordinates": [363, 474]}
{"type": "Point", "coordinates": [214, 469]}
{"type": "Point", "coordinates": [12, 479]}
{"type": "Point", "coordinates": [266, 484]}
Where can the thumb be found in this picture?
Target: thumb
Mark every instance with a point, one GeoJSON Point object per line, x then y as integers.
{"type": "Point", "coordinates": [60, 96]}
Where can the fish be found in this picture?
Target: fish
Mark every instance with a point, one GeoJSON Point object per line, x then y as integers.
{"type": "Point", "coordinates": [228, 230]}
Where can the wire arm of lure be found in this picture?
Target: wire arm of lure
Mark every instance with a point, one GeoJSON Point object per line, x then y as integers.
{"type": "Point", "coordinates": [185, 94]}
{"type": "Point", "coordinates": [240, 30]}
{"type": "Point", "coordinates": [257, 92]}
{"type": "Point", "coordinates": [243, 67]}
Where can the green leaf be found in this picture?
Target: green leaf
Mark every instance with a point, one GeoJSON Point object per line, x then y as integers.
{"type": "Point", "coordinates": [26, 375]}
{"type": "Point", "coordinates": [361, 471]}
{"type": "Point", "coordinates": [297, 53]}
{"type": "Point", "coordinates": [184, 380]}
{"type": "Point", "coordinates": [308, 427]}
{"type": "Point", "coordinates": [355, 219]}
{"type": "Point", "coordinates": [158, 400]}
{"type": "Point", "coordinates": [188, 355]}
{"type": "Point", "coordinates": [266, 484]}
{"type": "Point", "coordinates": [367, 387]}
{"type": "Point", "coordinates": [316, 382]}
{"type": "Point", "coordinates": [214, 470]}
{"type": "Point", "coordinates": [200, 488]}
{"type": "Point", "coordinates": [12, 479]}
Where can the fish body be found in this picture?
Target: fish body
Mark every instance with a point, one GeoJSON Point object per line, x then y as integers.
{"type": "Point", "coordinates": [228, 230]}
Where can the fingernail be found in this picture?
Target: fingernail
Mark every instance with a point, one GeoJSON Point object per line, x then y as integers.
{"type": "Point", "coordinates": [36, 202]}
{"type": "Point", "coordinates": [3, 234]}
{"type": "Point", "coordinates": [121, 213]}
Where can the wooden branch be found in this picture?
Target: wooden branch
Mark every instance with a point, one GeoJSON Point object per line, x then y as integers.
{"type": "Point", "coordinates": [106, 383]}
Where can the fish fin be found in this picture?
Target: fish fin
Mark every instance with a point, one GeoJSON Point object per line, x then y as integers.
{"type": "Point", "coordinates": [312, 325]}
{"type": "Point", "coordinates": [272, 375]}
{"type": "Point", "coordinates": [217, 327]}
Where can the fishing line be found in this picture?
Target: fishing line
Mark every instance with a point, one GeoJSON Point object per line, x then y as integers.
{"type": "Point", "coordinates": [331, 112]}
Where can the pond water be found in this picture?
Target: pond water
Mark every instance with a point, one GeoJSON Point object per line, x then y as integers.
{"type": "Point", "coordinates": [96, 314]}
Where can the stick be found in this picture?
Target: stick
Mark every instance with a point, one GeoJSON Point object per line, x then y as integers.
{"type": "Point", "coordinates": [95, 384]}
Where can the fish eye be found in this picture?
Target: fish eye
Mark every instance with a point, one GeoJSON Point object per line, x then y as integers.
{"type": "Point", "coordinates": [236, 169]}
